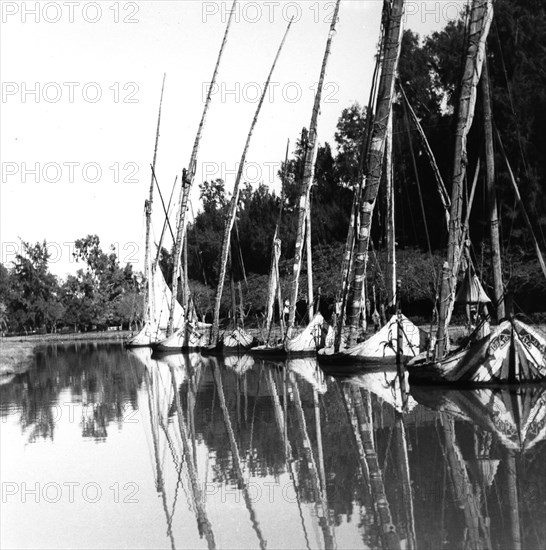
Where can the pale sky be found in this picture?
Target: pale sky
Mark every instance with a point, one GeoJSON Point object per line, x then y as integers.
{"type": "Point", "coordinates": [80, 94]}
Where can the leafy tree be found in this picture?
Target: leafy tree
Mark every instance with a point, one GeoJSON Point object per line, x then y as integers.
{"type": "Point", "coordinates": [93, 296]}
{"type": "Point", "coordinates": [349, 137]}
{"type": "Point", "coordinates": [35, 298]}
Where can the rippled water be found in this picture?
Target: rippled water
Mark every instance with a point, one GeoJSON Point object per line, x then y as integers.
{"type": "Point", "coordinates": [107, 448]}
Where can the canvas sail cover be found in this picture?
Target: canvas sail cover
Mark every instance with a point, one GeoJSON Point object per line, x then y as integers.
{"type": "Point", "coordinates": [513, 353]}
{"type": "Point", "coordinates": [383, 344]}
{"type": "Point", "coordinates": [184, 337]}
{"type": "Point", "coordinates": [525, 361]}
{"type": "Point", "coordinates": [162, 301]}
{"type": "Point", "coordinates": [316, 335]}
{"type": "Point", "coordinates": [471, 291]}
{"type": "Point", "coordinates": [238, 339]}
{"type": "Point", "coordinates": [157, 312]}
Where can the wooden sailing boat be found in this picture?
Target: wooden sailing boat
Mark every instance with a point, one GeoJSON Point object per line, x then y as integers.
{"type": "Point", "coordinates": [381, 348]}
{"type": "Point", "coordinates": [513, 352]}
{"type": "Point", "coordinates": [317, 331]}
{"type": "Point", "coordinates": [157, 295]}
{"type": "Point", "coordinates": [183, 334]}
{"type": "Point", "coordinates": [271, 348]}
{"type": "Point", "coordinates": [238, 339]}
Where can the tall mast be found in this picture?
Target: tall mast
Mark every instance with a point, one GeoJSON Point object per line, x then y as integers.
{"type": "Point", "coordinates": [307, 180]}
{"type": "Point", "coordinates": [492, 195]}
{"type": "Point", "coordinates": [481, 15]}
{"type": "Point", "coordinates": [148, 287]}
{"type": "Point", "coordinates": [235, 198]}
{"type": "Point", "coordinates": [274, 280]}
{"type": "Point", "coordinates": [309, 255]}
{"type": "Point", "coordinates": [393, 16]}
{"type": "Point", "coordinates": [187, 181]}
{"type": "Point", "coordinates": [391, 240]}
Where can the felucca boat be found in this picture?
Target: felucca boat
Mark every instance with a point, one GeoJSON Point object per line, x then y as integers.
{"type": "Point", "coordinates": [382, 348]}
{"type": "Point", "coordinates": [186, 334]}
{"type": "Point", "coordinates": [317, 333]}
{"type": "Point", "coordinates": [512, 352]}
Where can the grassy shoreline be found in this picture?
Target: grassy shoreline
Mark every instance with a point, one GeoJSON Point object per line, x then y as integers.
{"type": "Point", "coordinates": [57, 337]}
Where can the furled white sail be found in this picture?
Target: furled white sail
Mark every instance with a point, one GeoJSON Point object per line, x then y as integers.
{"type": "Point", "coordinates": [159, 299]}
{"type": "Point", "coordinates": [383, 344]}
{"type": "Point", "coordinates": [186, 337]}
{"type": "Point", "coordinates": [513, 353]}
{"type": "Point", "coordinates": [237, 339]}
{"type": "Point", "coordinates": [316, 334]}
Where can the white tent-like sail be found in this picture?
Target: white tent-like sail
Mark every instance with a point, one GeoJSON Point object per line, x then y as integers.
{"type": "Point", "coordinates": [513, 353]}
{"type": "Point", "coordinates": [381, 348]}
{"type": "Point", "coordinates": [316, 334]}
{"type": "Point", "coordinates": [159, 299]}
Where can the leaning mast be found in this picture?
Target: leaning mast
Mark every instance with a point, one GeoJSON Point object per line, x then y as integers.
{"type": "Point", "coordinates": [391, 51]}
{"type": "Point", "coordinates": [187, 181]}
{"type": "Point", "coordinates": [481, 15]}
{"type": "Point", "coordinates": [148, 288]}
{"type": "Point", "coordinates": [307, 180]}
{"type": "Point", "coordinates": [235, 199]}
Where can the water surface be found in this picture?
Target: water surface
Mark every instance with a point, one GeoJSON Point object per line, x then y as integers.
{"type": "Point", "coordinates": [107, 448]}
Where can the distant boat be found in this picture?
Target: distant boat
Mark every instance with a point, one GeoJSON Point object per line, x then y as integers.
{"type": "Point", "coordinates": [157, 295]}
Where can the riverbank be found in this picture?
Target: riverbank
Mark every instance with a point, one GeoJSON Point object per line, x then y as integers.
{"type": "Point", "coordinates": [17, 352]}
{"type": "Point", "coordinates": [76, 336]}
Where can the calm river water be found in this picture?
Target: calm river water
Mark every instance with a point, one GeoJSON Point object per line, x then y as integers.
{"type": "Point", "coordinates": [107, 448]}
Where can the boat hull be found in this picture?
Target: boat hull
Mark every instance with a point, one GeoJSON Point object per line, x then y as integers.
{"type": "Point", "coordinates": [513, 353]}
{"type": "Point", "coordinates": [186, 338]}
{"type": "Point", "coordinates": [146, 337]}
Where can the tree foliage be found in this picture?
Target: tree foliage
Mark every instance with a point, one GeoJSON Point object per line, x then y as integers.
{"type": "Point", "coordinates": [32, 299]}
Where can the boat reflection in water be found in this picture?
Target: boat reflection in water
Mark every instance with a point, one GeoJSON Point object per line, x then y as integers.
{"type": "Point", "coordinates": [240, 452]}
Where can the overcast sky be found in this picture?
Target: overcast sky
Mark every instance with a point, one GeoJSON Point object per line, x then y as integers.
{"type": "Point", "coordinates": [80, 93]}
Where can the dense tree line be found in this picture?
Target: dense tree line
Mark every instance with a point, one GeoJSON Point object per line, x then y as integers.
{"type": "Point", "coordinates": [102, 295]}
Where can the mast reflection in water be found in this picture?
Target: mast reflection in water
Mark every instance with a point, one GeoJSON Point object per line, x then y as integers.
{"type": "Point", "coordinates": [107, 448]}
